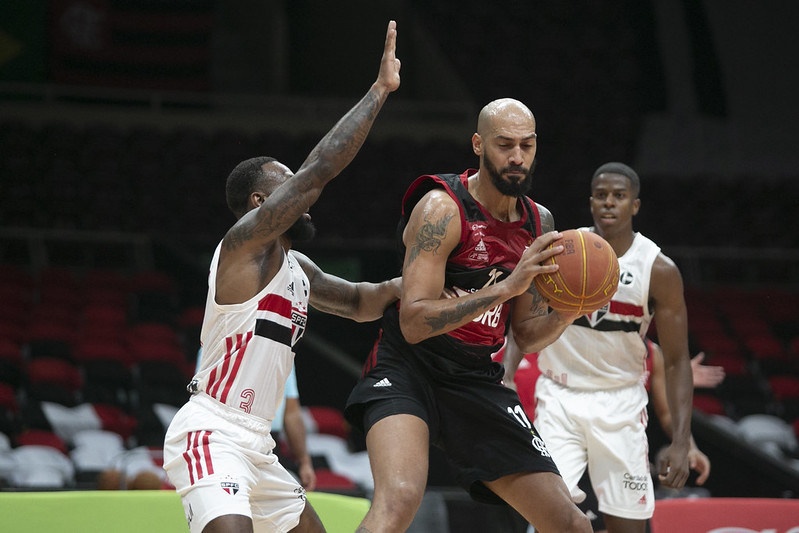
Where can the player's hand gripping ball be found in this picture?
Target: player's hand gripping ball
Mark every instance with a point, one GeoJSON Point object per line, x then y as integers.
{"type": "Point", "coordinates": [587, 277]}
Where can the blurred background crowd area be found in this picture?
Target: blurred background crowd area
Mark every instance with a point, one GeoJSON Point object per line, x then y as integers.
{"type": "Point", "coordinates": [120, 120]}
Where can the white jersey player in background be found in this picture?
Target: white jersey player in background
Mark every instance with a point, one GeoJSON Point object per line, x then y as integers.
{"type": "Point", "coordinates": [591, 395]}
{"type": "Point", "coordinates": [218, 448]}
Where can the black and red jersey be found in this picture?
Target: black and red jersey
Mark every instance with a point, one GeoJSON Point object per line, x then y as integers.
{"type": "Point", "coordinates": [488, 251]}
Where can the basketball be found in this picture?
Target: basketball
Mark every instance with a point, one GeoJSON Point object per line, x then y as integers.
{"type": "Point", "coordinates": [588, 275]}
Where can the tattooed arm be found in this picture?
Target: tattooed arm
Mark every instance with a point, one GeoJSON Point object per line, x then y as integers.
{"type": "Point", "coordinates": [362, 302]}
{"type": "Point", "coordinates": [330, 156]}
{"type": "Point", "coordinates": [251, 252]}
{"type": "Point", "coordinates": [534, 326]}
{"type": "Point", "coordinates": [433, 231]}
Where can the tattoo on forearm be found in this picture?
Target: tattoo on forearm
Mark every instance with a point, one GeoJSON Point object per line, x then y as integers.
{"type": "Point", "coordinates": [429, 237]}
{"type": "Point", "coordinates": [338, 299]}
{"type": "Point", "coordinates": [340, 145]}
{"type": "Point", "coordinates": [538, 306]}
{"type": "Point", "coordinates": [328, 158]}
{"type": "Point", "coordinates": [445, 318]}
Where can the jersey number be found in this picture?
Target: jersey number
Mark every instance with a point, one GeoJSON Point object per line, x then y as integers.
{"type": "Point", "coordinates": [247, 397]}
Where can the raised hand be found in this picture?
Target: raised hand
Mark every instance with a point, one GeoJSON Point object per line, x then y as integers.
{"type": "Point", "coordinates": [389, 77]}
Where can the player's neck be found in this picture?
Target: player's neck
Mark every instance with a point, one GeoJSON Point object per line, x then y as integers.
{"type": "Point", "coordinates": [503, 208]}
{"type": "Point", "coordinates": [620, 241]}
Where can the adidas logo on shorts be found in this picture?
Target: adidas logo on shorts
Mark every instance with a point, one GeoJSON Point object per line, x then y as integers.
{"type": "Point", "coordinates": [382, 383]}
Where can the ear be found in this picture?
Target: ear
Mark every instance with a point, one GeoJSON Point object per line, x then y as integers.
{"type": "Point", "coordinates": [477, 144]}
{"type": "Point", "coordinates": [636, 206]}
{"type": "Point", "coordinates": [256, 199]}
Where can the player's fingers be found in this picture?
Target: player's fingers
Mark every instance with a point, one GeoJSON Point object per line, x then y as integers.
{"type": "Point", "coordinates": [391, 40]}
{"type": "Point", "coordinates": [704, 473]}
{"type": "Point", "coordinates": [545, 239]}
{"type": "Point", "coordinates": [698, 358]}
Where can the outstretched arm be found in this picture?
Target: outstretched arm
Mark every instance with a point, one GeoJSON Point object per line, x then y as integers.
{"type": "Point", "coordinates": [362, 301]}
{"type": "Point", "coordinates": [330, 156]}
{"type": "Point", "coordinates": [432, 232]}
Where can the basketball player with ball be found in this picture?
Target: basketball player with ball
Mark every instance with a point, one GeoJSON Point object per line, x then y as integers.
{"type": "Point", "coordinates": [591, 395]}
{"type": "Point", "coordinates": [473, 243]}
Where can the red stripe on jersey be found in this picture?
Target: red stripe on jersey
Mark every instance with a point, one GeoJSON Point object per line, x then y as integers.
{"type": "Point", "coordinates": [192, 455]}
{"type": "Point", "coordinates": [236, 364]}
{"type": "Point", "coordinates": [214, 381]}
{"type": "Point", "coordinates": [620, 308]}
{"type": "Point", "coordinates": [209, 466]}
{"type": "Point", "coordinates": [371, 359]}
{"type": "Point", "coordinates": [276, 304]}
{"type": "Point", "coordinates": [187, 458]}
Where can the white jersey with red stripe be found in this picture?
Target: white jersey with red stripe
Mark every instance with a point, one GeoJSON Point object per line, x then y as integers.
{"type": "Point", "coordinates": [248, 347]}
{"type": "Point", "coordinates": [606, 350]}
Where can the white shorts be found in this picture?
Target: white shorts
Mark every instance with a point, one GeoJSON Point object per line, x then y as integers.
{"type": "Point", "coordinates": [604, 431]}
{"type": "Point", "coordinates": [221, 463]}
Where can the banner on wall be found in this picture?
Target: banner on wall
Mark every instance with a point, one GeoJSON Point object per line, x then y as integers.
{"type": "Point", "coordinates": [726, 515]}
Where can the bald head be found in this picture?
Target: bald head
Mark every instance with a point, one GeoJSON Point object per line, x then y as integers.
{"type": "Point", "coordinates": [503, 113]}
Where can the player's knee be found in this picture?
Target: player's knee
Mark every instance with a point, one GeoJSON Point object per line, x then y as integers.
{"type": "Point", "coordinates": [398, 505]}
{"type": "Point", "coordinates": [573, 521]}
{"type": "Point", "coordinates": [578, 523]}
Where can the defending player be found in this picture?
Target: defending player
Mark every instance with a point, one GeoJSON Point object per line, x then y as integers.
{"type": "Point", "coordinates": [218, 448]}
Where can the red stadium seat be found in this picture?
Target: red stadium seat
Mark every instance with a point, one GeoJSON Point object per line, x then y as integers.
{"type": "Point", "coordinates": [41, 437]}
{"type": "Point", "coordinates": [709, 403]}
{"type": "Point", "coordinates": [51, 371]}
{"type": "Point", "coordinates": [784, 387]}
{"type": "Point", "coordinates": [329, 420]}
{"type": "Point", "coordinates": [94, 349]}
{"type": "Point", "coordinates": [329, 481]}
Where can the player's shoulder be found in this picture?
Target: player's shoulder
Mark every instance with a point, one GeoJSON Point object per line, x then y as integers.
{"type": "Point", "coordinates": [545, 215]}
{"type": "Point", "coordinates": [437, 200]}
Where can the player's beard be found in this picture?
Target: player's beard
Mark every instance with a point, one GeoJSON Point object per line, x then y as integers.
{"type": "Point", "coordinates": [302, 230]}
{"type": "Point", "coordinates": [510, 188]}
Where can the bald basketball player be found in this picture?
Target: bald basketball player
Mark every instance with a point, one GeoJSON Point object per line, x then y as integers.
{"type": "Point", "coordinates": [473, 242]}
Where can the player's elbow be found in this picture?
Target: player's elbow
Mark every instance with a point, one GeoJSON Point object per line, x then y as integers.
{"type": "Point", "coordinates": [411, 333]}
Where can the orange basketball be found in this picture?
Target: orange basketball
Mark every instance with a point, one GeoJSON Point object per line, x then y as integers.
{"type": "Point", "coordinates": [588, 275]}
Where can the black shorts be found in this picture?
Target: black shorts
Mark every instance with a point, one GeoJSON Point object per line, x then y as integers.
{"type": "Point", "coordinates": [478, 422]}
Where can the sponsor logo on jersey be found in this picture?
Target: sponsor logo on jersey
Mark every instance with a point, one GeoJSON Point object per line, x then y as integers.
{"type": "Point", "coordinates": [290, 288]}
{"type": "Point", "coordinates": [480, 251]}
{"type": "Point", "coordinates": [626, 278]}
{"type": "Point", "coordinates": [298, 319]}
{"type": "Point", "coordinates": [300, 492]}
{"type": "Point", "coordinates": [538, 444]}
{"type": "Point", "coordinates": [635, 482]}
{"type": "Point", "coordinates": [382, 383]}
